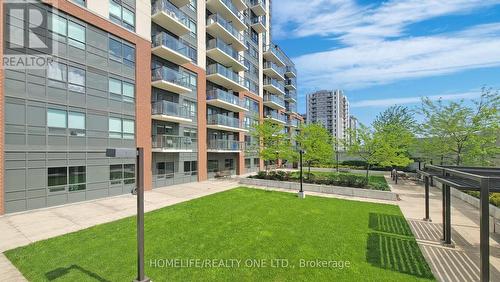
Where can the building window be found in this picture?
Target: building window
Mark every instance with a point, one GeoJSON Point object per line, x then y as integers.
{"type": "Point", "coordinates": [165, 169]}
{"type": "Point", "coordinates": [76, 123]}
{"type": "Point", "coordinates": [76, 35]}
{"type": "Point", "coordinates": [57, 74]}
{"type": "Point", "coordinates": [129, 173]}
{"type": "Point", "coordinates": [122, 14]}
{"type": "Point", "coordinates": [115, 127]}
{"type": "Point", "coordinates": [256, 162]}
{"type": "Point", "coordinates": [56, 118]}
{"type": "Point", "coordinates": [77, 178]}
{"type": "Point", "coordinates": [229, 164]}
{"type": "Point", "coordinates": [121, 52]}
{"type": "Point", "coordinates": [76, 79]}
{"type": "Point", "coordinates": [121, 90]}
{"type": "Point", "coordinates": [248, 163]}
{"type": "Point", "coordinates": [190, 167]}
{"type": "Point", "coordinates": [115, 174]}
{"type": "Point", "coordinates": [213, 165]}
{"type": "Point", "coordinates": [192, 28]}
{"type": "Point", "coordinates": [128, 129]}
{"type": "Point", "coordinates": [192, 5]}
{"type": "Point", "coordinates": [128, 91]}
{"type": "Point", "coordinates": [57, 176]}
{"type": "Point", "coordinates": [79, 2]}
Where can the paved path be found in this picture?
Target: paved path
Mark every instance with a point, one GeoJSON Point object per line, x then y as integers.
{"type": "Point", "coordinates": [24, 228]}
{"type": "Point", "coordinates": [460, 263]}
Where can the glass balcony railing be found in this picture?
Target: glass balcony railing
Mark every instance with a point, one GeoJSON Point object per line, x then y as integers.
{"type": "Point", "coordinates": [234, 10]}
{"type": "Point", "coordinates": [275, 99]}
{"type": "Point", "coordinates": [291, 107]}
{"type": "Point", "coordinates": [291, 95]}
{"type": "Point", "coordinates": [252, 3]}
{"type": "Point", "coordinates": [291, 69]}
{"type": "Point", "coordinates": [225, 145]}
{"type": "Point", "coordinates": [259, 19]}
{"type": "Point", "coordinates": [291, 81]}
{"type": "Point", "coordinates": [172, 109]}
{"type": "Point", "coordinates": [225, 96]}
{"type": "Point", "coordinates": [226, 25]}
{"type": "Point", "coordinates": [170, 9]}
{"type": "Point", "coordinates": [167, 40]}
{"type": "Point", "coordinates": [278, 69]}
{"type": "Point", "coordinates": [226, 72]}
{"type": "Point", "coordinates": [293, 122]}
{"type": "Point", "coordinates": [275, 83]}
{"type": "Point", "coordinates": [276, 115]}
{"type": "Point", "coordinates": [215, 43]}
{"type": "Point", "coordinates": [277, 52]}
{"type": "Point", "coordinates": [218, 119]}
{"type": "Point", "coordinates": [169, 75]}
{"type": "Point", "coordinates": [170, 142]}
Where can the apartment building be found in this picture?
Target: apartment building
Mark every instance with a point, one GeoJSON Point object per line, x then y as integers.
{"type": "Point", "coordinates": [331, 109]}
{"type": "Point", "coordinates": [184, 79]}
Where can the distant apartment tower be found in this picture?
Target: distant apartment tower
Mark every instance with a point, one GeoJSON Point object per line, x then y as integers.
{"type": "Point", "coordinates": [331, 109]}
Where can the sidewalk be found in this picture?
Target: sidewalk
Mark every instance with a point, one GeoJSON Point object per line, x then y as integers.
{"type": "Point", "coordinates": [460, 263]}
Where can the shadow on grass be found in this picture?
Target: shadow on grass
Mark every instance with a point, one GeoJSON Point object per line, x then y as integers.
{"type": "Point", "coordinates": [397, 254]}
{"type": "Point", "coordinates": [61, 271]}
{"type": "Point", "coordinates": [395, 224]}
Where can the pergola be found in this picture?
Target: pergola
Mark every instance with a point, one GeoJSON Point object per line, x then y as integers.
{"type": "Point", "coordinates": [482, 179]}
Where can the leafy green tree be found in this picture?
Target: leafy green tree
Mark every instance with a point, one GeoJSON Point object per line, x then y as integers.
{"type": "Point", "coordinates": [316, 142]}
{"type": "Point", "coordinates": [364, 145]}
{"type": "Point", "coordinates": [396, 115]}
{"type": "Point", "coordinates": [467, 132]}
{"type": "Point", "coordinates": [274, 142]}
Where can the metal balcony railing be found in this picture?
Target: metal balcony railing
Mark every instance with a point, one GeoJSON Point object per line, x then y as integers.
{"type": "Point", "coordinates": [172, 109]}
{"type": "Point", "coordinates": [171, 142]}
{"type": "Point", "coordinates": [173, 76]}
{"type": "Point", "coordinates": [225, 96]}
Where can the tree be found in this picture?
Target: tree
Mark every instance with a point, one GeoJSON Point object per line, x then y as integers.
{"type": "Point", "coordinates": [364, 145]}
{"type": "Point", "coordinates": [468, 132]}
{"type": "Point", "coordinates": [274, 142]}
{"type": "Point", "coordinates": [316, 142]}
{"type": "Point", "coordinates": [396, 115]}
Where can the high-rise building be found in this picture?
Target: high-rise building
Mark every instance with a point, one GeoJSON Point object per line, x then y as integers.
{"type": "Point", "coordinates": [331, 109]}
{"type": "Point", "coordinates": [184, 79]}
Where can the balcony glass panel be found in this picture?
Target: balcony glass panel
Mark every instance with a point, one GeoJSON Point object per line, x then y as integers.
{"type": "Point", "coordinates": [291, 81]}
{"type": "Point", "coordinates": [291, 69]}
{"type": "Point", "coordinates": [229, 145]}
{"type": "Point", "coordinates": [218, 119]}
{"type": "Point", "coordinates": [274, 82]}
{"type": "Point", "coordinates": [170, 9]}
{"type": "Point", "coordinates": [276, 115]}
{"type": "Point", "coordinates": [172, 109]}
{"type": "Point", "coordinates": [226, 72]}
{"type": "Point", "coordinates": [170, 75]}
{"type": "Point", "coordinates": [278, 69]}
{"type": "Point", "coordinates": [259, 19]}
{"type": "Point", "coordinates": [215, 43]}
{"type": "Point", "coordinates": [170, 142]}
{"type": "Point", "coordinates": [234, 10]}
{"type": "Point", "coordinates": [167, 40]}
{"type": "Point", "coordinates": [226, 25]}
{"type": "Point", "coordinates": [275, 99]}
{"type": "Point", "coordinates": [291, 95]}
{"type": "Point", "coordinates": [225, 96]}
{"type": "Point", "coordinates": [272, 48]}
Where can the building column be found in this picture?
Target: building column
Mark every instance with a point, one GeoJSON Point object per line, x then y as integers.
{"type": "Point", "coordinates": [240, 169]}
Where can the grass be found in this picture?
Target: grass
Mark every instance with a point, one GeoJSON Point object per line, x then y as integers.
{"type": "Point", "coordinates": [239, 224]}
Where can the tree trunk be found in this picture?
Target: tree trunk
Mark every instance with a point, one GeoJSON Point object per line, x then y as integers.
{"type": "Point", "coordinates": [367, 171]}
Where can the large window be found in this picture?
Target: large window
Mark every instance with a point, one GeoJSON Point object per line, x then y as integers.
{"type": "Point", "coordinates": [119, 173]}
{"type": "Point", "coordinates": [248, 163]}
{"type": "Point", "coordinates": [190, 167]}
{"type": "Point", "coordinates": [121, 90]}
{"type": "Point", "coordinates": [74, 121]}
{"type": "Point", "coordinates": [115, 127]}
{"type": "Point", "coordinates": [56, 118]}
{"type": "Point", "coordinates": [77, 178]}
{"type": "Point", "coordinates": [128, 129]}
{"type": "Point", "coordinates": [229, 164]}
{"type": "Point", "coordinates": [213, 165]}
{"type": "Point", "coordinates": [76, 79]}
{"type": "Point", "coordinates": [59, 73]}
{"type": "Point", "coordinates": [121, 52]}
{"type": "Point", "coordinates": [122, 14]}
{"type": "Point", "coordinates": [165, 170]}
{"type": "Point", "coordinates": [64, 28]}
{"type": "Point", "coordinates": [57, 176]}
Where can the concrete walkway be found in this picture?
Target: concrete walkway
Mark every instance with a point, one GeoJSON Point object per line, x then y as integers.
{"type": "Point", "coordinates": [460, 263]}
{"type": "Point", "coordinates": [27, 227]}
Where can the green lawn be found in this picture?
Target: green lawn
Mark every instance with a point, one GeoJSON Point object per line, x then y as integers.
{"type": "Point", "coordinates": [243, 224]}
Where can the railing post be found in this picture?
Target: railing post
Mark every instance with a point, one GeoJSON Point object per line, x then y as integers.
{"type": "Point", "coordinates": [484, 229]}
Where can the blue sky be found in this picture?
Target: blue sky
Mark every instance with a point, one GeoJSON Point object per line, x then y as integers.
{"type": "Point", "coordinates": [390, 52]}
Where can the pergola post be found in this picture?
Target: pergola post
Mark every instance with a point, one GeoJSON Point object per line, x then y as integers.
{"type": "Point", "coordinates": [447, 236]}
{"type": "Point", "coordinates": [426, 180]}
{"type": "Point", "coordinates": [484, 228]}
{"type": "Point", "coordinates": [443, 192]}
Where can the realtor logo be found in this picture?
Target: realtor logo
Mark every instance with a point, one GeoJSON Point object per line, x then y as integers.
{"type": "Point", "coordinates": [27, 41]}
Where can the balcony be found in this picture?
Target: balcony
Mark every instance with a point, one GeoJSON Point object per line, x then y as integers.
{"type": "Point", "coordinates": [173, 112]}
{"type": "Point", "coordinates": [274, 102]}
{"type": "Point", "coordinates": [170, 48]}
{"type": "Point", "coordinates": [274, 86]}
{"type": "Point", "coordinates": [258, 7]}
{"type": "Point", "coordinates": [226, 123]}
{"type": "Point", "coordinates": [173, 144]}
{"type": "Point", "coordinates": [291, 83]}
{"type": "Point", "coordinates": [291, 96]}
{"type": "Point", "coordinates": [259, 24]}
{"type": "Point", "coordinates": [273, 70]}
{"type": "Point", "coordinates": [179, 3]}
{"type": "Point", "coordinates": [293, 123]}
{"type": "Point", "coordinates": [170, 17]}
{"type": "Point", "coordinates": [225, 100]}
{"type": "Point", "coordinates": [291, 71]}
{"type": "Point", "coordinates": [274, 116]}
{"type": "Point", "coordinates": [291, 108]}
{"type": "Point", "coordinates": [170, 80]}
{"type": "Point", "coordinates": [226, 77]}
{"type": "Point", "coordinates": [224, 146]}
{"type": "Point", "coordinates": [223, 53]}
{"type": "Point", "coordinates": [218, 27]}
{"type": "Point", "coordinates": [272, 53]}
{"type": "Point", "coordinates": [229, 11]}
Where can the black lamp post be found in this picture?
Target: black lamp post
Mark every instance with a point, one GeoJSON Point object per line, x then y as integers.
{"type": "Point", "coordinates": [301, 193]}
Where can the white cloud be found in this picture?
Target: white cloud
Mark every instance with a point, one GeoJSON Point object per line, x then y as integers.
{"type": "Point", "coordinates": [413, 100]}
{"type": "Point", "coordinates": [376, 49]}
